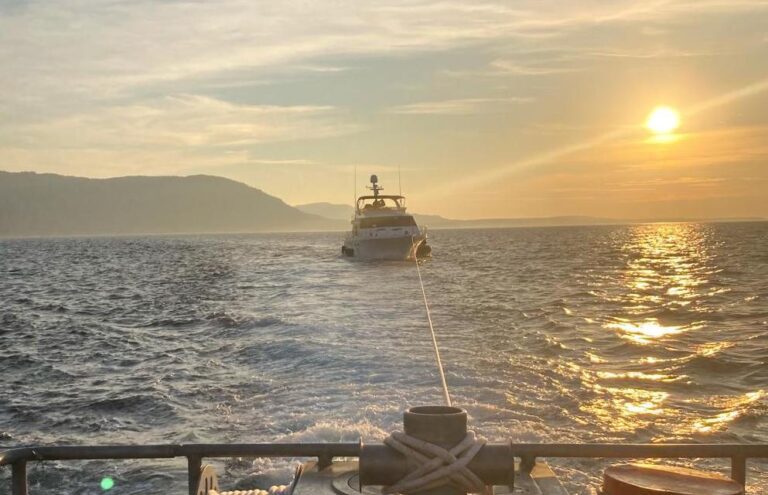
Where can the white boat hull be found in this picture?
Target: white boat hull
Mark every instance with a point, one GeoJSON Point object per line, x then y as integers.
{"type": "Point", "coordinates": [383, 248]}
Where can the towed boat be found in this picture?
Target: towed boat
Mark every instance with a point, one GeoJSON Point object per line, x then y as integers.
{"type": "Point", "coordinates": [382, 230]}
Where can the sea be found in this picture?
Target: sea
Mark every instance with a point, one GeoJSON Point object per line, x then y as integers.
{"type": "Point", "coordinates": [629, 333]}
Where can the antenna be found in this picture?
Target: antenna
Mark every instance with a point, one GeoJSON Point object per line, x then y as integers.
{"type": "Point", "coordinates": [375, 187]}
{"type": "Point", "coordinates": [399, 182]}
{"type": "Point", "coordinates": [354, 187]}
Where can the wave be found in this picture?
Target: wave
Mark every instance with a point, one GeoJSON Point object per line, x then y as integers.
{"type": "Point", "coordinates": [220, 320]}
{"type": "Point", "coordinates": [151, 408]}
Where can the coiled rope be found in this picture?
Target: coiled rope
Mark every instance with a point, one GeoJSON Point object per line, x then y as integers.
{"type": "Point", "coordinates": [273, 490]}
{"type": "Point", "coordinates": [446, 395]}
{"type": "Point", "coordinates": [436, 466]}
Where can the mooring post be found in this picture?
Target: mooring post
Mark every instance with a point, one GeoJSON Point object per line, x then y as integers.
{"type": "Point", "coordinates": [440, 425]}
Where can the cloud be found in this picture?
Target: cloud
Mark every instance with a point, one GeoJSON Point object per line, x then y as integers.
{"type": "Point", "coordinates": [507, 67]}
{"type": "Point", "coordinates": [729, 97]}
{"type": "Point", "coordinates": [181, 121]}
{"type": "Point", "coordinates": [600, 140]}
{"type": "Point", "coordinates": [102, 49]}
{"type": "Point", "coordinates": [458, 106]}
{"type": "Point", "coordinates": [263, 161]}
{"type": "Point", "coordinates": [168, 135]}
{"type": "Point", "coordinates": [69, 52]}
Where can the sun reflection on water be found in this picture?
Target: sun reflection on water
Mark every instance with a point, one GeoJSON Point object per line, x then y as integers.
{"type": "Point", "coordinates": [626, 408]}
{"type": "Point", "coordinates": [644, 332]}
{"type": "Point", "coordinates": [667, 268]}
{"type": "Point", "coordinates": [712, 348]}
{"type": "Point", "coordinates": [734, 408]}
{"type": "Point", "coordinates": [661, 293]}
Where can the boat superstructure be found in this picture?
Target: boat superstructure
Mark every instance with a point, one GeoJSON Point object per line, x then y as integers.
{"type": "Point", "coordinates": [383, 230]}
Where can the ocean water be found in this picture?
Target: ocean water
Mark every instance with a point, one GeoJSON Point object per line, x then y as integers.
{"type": "Point", "coordinates": [642, 333]}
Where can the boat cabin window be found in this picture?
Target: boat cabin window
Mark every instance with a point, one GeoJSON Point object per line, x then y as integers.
{"type": "Point", "coordinates": [380, 202]}
{"type": "Point", "coordinates": [395, 221]}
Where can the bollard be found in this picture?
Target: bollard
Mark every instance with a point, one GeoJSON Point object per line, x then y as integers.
{"type": "Point", "coordinates": [441, 425]}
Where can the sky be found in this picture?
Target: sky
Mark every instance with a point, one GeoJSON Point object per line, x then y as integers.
{"type": "Point", "coordinates": [487, 109]}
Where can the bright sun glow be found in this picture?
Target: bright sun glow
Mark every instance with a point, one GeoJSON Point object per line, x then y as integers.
{"type": "Point", "coordinates": [663, 120]}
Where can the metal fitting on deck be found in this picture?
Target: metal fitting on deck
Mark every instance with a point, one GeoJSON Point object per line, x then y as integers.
{"type": "Point", "coordinates": [444, 427]}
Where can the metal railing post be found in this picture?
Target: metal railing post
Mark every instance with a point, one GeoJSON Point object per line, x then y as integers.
{"type": "Point", "coordinates": [527, 463]}
{"type": "Point", "coordinates": [19, 478]}
{"type": "Point", "coordinates": [739, 469]}
{"type": "Point", "coordinates": [194, 465]}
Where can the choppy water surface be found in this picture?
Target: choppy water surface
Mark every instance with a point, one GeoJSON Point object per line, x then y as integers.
{"type": "Point", "coordinates": [647, 333]}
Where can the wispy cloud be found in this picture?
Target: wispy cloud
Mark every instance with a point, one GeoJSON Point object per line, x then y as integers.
{"type": "Point", "coordinates": [596, 141]}
{"type": "Point", "coordinates": [263, 161]}
{"type": "Point", "coordinates": [507, 67]}
{"type": "Point", "coordinates": [182, 121]}
{"type": "Point", "coordinates": [462, 106]}
{"type": "Point", "coordinates": [168, 135]}
{"type": "Point", "coordinates": [68, 47]}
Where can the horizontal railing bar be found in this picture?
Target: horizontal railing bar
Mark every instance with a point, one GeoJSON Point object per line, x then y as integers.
{"type": "Point", "coordinates": [81, 452]}
{"type": "Point", "coordinates": [276, 449]}
{"type": "Point", "coordinates": [640, 450]}
{"type": "Point", "coordinates": [353, 450]}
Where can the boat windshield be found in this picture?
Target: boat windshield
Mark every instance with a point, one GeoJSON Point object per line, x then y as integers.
{"type": "Point", "coordinates": [366, 203]}
{"type": "Point", "coordinates": [394, 221]}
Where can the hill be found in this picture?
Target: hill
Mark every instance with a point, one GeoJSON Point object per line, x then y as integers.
{"type": "Point", "coordinates": [34, 204]}
{"type": "Point", "coordinates": [344, 212]}
{"type": "Point", "coordinates": [328, 210]}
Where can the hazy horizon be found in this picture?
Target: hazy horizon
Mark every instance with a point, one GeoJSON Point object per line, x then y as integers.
{"type": "Point", "coordinates": [332, 211]}
{"type": "Point", "coordinates": [489, 110]}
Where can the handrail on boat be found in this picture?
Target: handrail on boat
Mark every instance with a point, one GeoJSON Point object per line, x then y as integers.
{"type": "Point", "coordinates": [17, 458]}
{"type": "Point", "coordinates": [85, 452]}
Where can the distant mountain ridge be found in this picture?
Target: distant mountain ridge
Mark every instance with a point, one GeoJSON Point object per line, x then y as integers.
{"type": "Point", "coordinates": [345, 212]}
{"type": "Point", "coordinates": [328, 210]}
{"type": "Point", "coordinates": [34, 204]}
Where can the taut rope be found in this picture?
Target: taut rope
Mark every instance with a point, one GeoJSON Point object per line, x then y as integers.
{"type": "Point", "coordinates": [446, 396]}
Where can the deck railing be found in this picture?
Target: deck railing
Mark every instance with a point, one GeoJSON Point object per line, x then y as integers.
{"type": "Point", "coordinates": [18, 458]}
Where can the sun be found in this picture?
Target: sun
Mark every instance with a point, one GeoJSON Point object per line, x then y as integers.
{"type": "Point", "coordinates": [663, 120]}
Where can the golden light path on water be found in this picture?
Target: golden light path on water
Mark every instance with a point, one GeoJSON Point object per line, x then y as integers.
{"type": "Point", "coordinates": [667, 272]}
{"type": "Point", "coordinates": [645, 332]}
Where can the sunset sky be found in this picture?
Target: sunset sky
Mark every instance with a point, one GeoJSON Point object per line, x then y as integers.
{"type": "Point", "coordinates": [491, 109]}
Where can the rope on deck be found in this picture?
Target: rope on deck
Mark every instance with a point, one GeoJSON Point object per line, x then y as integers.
{"type": "Point", "coordinates": [273, 490]}
{"type": "Point", "coordinates": [436, 466]}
